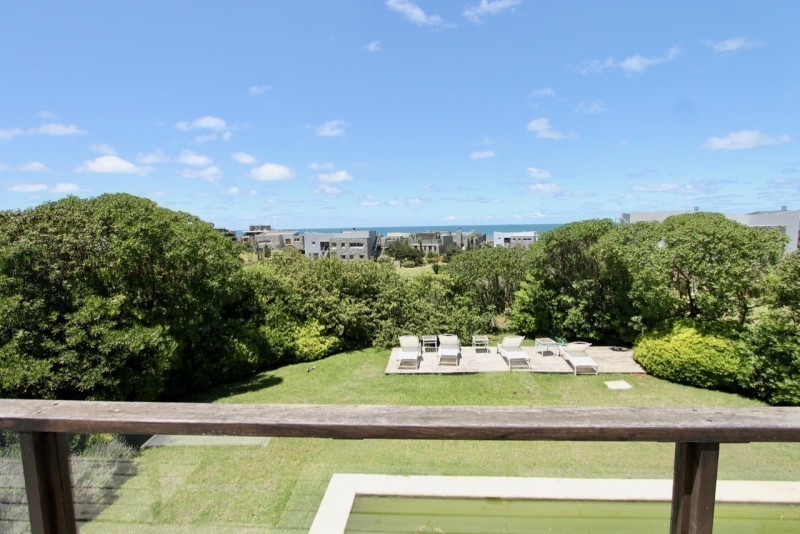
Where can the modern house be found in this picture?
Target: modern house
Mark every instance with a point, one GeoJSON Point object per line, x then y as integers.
{"type": "Point", "coordinates": [348, 245]}
{"type": "Point", "coordinates": [787, 221]}
{"type": "Point", "coordinates": [436, 241]}
{"type": "Point", "coordinates": [276, 239]}
{"type": "Point", "coordinates": [432, 241]}
{"type": "Point", "coordinates": [515, 239]}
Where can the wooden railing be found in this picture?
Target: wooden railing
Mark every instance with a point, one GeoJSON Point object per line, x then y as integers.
{"type": "Point", "coordinates": [697, 433]}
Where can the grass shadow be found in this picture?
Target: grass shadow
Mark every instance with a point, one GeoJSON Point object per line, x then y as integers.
{"type": "Point", "coordinates": [258, 382]}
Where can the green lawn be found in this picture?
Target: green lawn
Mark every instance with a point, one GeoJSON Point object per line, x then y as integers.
{"type": "Point", "coordinates": [279, 486]}
{"type": "Point", "coordinates": [415, 271]}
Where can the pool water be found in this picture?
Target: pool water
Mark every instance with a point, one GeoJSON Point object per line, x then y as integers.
{"type": "Point", "coordinates": [380, 514]}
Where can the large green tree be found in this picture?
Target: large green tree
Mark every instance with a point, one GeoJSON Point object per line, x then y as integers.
{"type": "Point", "coordinates": [116, 298]}
{"type": "Point", "coordinates": [700, 265]}
{"type": "Point", "coordinates": [490, 277]}
{"type": "Point", "coordinates": [567, 290]}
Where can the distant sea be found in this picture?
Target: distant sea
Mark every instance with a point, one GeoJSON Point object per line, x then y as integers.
{"type": "Point", "coordinates": [488, 229]}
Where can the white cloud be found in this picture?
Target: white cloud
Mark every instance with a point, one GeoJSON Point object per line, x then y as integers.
{"type": "Point", "coordinates": [414, 13]}
{"type": "Point", "coordinates": [10, 133]}
{"type": "Point", "coordinates": [210, 128]}
{"type": "Point", "coordinates": [187, 157]}
{"type": "Point", "coordinates": [33, 166]}
{"type": "Point", "coordinates": [271, 172]}
{"type": "Point", "coordinates": [321, 166]}
{"type": "Point", "coordinates": [259, 89]}
{"type": "Point", "coordinates": [151, 158]}
{"type": "Point", "coordinates": [656, 188]}
{"type": "Point", "coordinates": [207, 122]}
{"type": "Point", "coordinates": [483, 154]}
{"type": "Point", "coordinates": [111, 165]}
{"type": "Point", "coordinates": [744, 139]}
{"type": "Point", "coordinates": [396, 202]}
{"type": "Point", "coordinates": [543, 92]}
{"type": "Point", "coordinates": [369, 201]}
{"type": "Point", "coordinates": [244, 158]}
{"type": "Point", "coordinates": [414, 201]}
{"type": "Point", "coordinates": [635, 64]}
{"type": "Point", "coordinates": [56, 129]}
{"type": "Point", "coordinates": [595, 107]}
{"type": "Point", "coordinates": [477, 13]}
{"type": "Point", "coordinates": [334, 128]}
{"type": "Point", "coordinates": [27, 188]}
{"type": "Point", "coordinates": [541, 127]}
{"type": "Point", "coordinates": [53, 129]}
{"type": "Point", "coordinates": [209, 174]}
{"type": "Point", "coordinates": [335, 177]}
{"type": "Point", "coordinates": [233, 190]}
{"type": "Point", "coordinates": [450, 218]}
{"type": "Point", "coordinates": [327, 189]}
{"type": "Point", "coordinates": [733, 45]}
{"type": "Point", "coordinates": [539, 174]}
{"type": "Point", "coordinates": [374, 46]}
{"type": "Point", "coordinates": [46, 115]}
{"type": "Point", "coordinates": [546, 188]}
{"type": "Point", "coordinates": [65, 187]}
{"type": "Point", "coordinates": [103, 149]}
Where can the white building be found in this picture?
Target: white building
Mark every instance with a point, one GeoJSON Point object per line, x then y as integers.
{"type": "Point", "coordinates": [787, 221]}
{"type": "Point", "coordinates": [515, 239]}
{"type": "Point", "coordinates": [349, 245]}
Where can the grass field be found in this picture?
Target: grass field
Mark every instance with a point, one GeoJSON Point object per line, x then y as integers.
{"type": "Point", "coordinates": [280, 486]}
{"type": "Point", "coordinates": [409, 272]}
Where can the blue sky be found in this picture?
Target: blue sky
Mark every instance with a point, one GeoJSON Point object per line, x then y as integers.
{"type": "Point", "coordinates": [377, 113]}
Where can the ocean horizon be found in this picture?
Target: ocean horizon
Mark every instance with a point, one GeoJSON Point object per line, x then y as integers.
{"type": "Point", "coordinates": [488, 229]}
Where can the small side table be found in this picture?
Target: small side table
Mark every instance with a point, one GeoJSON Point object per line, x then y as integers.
{"type": "Point", "coordinates": [480, 343]}
{"type": "Point", "coordinates": [430, 343]}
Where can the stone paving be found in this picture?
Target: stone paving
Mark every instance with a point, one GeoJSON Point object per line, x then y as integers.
{"type": "Point", "coordinates": [609, 360]}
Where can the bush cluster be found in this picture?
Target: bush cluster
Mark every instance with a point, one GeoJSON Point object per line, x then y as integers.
{"type": "Point", "coordinates": [116, 298]}
{"type": "Point", "coordinates": [683, 352]}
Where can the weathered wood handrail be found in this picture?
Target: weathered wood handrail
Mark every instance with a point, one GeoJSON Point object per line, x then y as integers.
{"type": "Point", "coordinates": [697, 433]}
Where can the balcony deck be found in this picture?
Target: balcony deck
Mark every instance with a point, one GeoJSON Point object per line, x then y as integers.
{"type": "Point", "coordinates": [609, 360]}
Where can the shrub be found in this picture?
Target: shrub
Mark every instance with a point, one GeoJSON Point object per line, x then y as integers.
{"type": "Point", "coordinates": [408, 263]}
{"type": "Point", "coordinates": [771, 354]}
{"type": "Point", "coordinates": [686, 353]}
{"type": "Point", "coordinates": [311, 342]}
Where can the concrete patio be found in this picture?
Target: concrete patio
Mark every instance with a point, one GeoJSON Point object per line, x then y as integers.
{"type": "Point", "coordinates": [609, 360]}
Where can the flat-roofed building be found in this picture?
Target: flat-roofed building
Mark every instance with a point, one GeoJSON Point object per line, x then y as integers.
{"type": "Point", "coordinates": [515, 239]}
{"type": "Point", "coordinates": [783, 220]}
{"type": "Point", "coordinates": [276, 239]}
{"type": "Point", "coordinates": [349, 245]}
{"type": "Point", "coordinates": [431, 241]}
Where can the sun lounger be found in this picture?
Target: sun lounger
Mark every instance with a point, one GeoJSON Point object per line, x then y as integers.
{"type": "Point", "coordinates": [511, 350]}
{"type": "Point", "coordinates": [409, 353]}
{"type": "Point", "coordinates": [575, 356]}
{"type": "Point", "coordinates": [449, 349]}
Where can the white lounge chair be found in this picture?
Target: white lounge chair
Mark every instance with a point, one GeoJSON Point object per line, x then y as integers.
{"type": "Point", "coordinates": [409, 353]}
{"type": "Point", "coordinates": [511, 350]}
{"type": "Point", "coordinates": [449, 350]}
{"type": "Point", "coordinates": [574, 354]}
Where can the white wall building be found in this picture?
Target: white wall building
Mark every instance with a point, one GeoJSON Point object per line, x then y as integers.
{"type": "Point", "coordinates": [787, 221]}
{"type": "Point", "coordinates": [515, 239]}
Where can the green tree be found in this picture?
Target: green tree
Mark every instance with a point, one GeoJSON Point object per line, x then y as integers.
{"type": "Point", "coordinates": [701, 265]}
{"type": "Point", "coordinates": [772, 344]}
{"type": "Point", "coordinates": [490, 277]}
{"type": "Point", "coordinates": [116, 298]}
{"type": "Point", "coordinates": [566, 291]}
{"type": "Point", "coordinates": [400, 250]}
